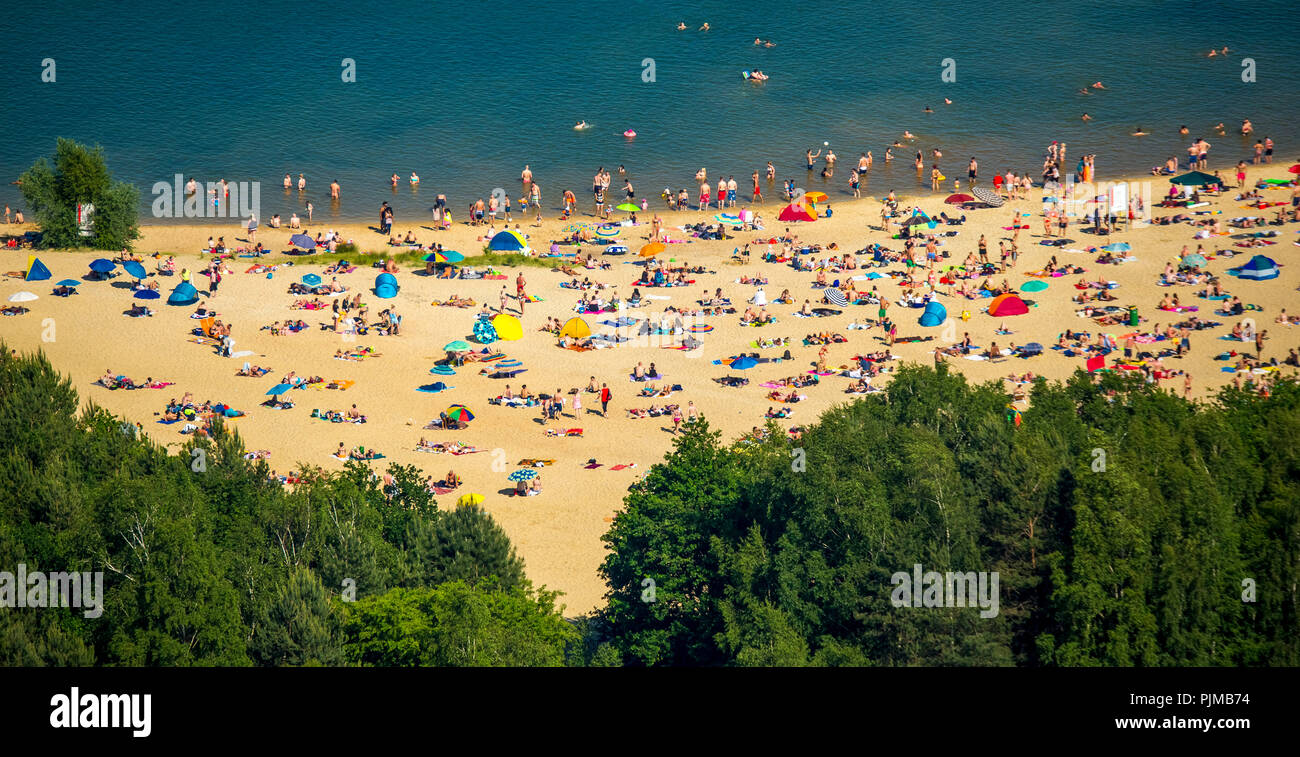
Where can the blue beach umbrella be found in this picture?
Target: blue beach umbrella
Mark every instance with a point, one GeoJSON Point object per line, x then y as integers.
{"type": "Point", "coordinates": [303, 241]}
{"type": "Point", "coordinates": [135, 269]}
{"type": "Point", "coordinates": [69, 283]}
{"type": "Point", "coordinates": [1118, 247]}
{"type": "Point", "coordinates": [485, 332]}
{"type": "Point", "coordinates": [523, 474]}
{"type": "Point", "coordinates": [311, 280]}
{"type": "Point", "coordinates": [147, 294]}
{"type": "Point", "coordinates": [743, 363]}
{"type": "Point", "coordinates": [102, 265]}
{"type": "Point", "coordinates": [279, 389]}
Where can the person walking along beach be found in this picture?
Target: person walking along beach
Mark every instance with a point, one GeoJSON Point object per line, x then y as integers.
{"type": "Point", "coordinates": [605, 396]}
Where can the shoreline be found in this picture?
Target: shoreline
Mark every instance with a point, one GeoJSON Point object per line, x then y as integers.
{"type": "Point", "coordinates": [221, 226]}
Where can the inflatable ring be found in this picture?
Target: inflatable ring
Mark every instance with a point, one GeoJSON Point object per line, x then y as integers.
{"type": "Point", "coordinates": [629, 133]}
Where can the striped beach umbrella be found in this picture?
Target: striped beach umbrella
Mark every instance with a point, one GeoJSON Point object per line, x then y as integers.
{"type": "Point", "coordinates": [835, 297]}
{"type": "Point", "coordinates": [444, 256]}
{"type": "Point", "coordinates": [987, 196]}
{"type": "Point", "coordinates": [459, 413]}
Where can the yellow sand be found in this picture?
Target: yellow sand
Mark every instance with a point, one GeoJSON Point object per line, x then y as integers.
{"type": "Point", "coordinates": [558, 531]}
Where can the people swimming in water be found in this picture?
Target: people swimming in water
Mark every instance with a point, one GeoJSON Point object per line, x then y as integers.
{"type": "Point", "coordinates": [580, 125]}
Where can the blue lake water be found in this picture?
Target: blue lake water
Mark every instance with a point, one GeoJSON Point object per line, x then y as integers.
{"type": "Point", "coordinates": [466, 94]}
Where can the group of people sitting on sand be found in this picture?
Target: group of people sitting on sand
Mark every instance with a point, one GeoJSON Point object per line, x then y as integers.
{"type": "Point", "coordinates": [356, 453]}
{"type": "Point", "coordinates": [351, 415]}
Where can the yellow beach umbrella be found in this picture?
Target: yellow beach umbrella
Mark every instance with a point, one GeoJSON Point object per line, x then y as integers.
{"type": "Point", "coordinates": [576, 328]}
{"type": "Point", "coordinates": [815, 196]}
{"type": "Point", "coordinates": [508, 327]}
{"type": "Point", "coordinates": [469, 499]}
{"type": "Point", "coordinates": [652, 249]}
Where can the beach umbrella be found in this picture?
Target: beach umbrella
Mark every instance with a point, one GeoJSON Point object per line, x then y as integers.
{"type": "Point", "coordinates": [616, 249]}
{"type": "Point", "coordinates": [444, 256]}
{"type": "Point", "coordinates": [987, 196]}
{"type": "Point", "coordinates": [22, 297]}
{"type": "Point", "coordinates": [608, 230]}
{"type": "Point", "coordinates": [652, 249]}
{"type": "Point", "coordinates": [508, 327]}
{"type": "Point", "coordinates": [794, 212]}
{"type": "Point", "coordinates": [835, 297]}
{"type": "Point", "coordinates": [69, 283]}
{"type": "Point", "coordinates": [147, 294]}
{"type": "Point", "coordinates": [136, 270]}
{"type": "Point", "coordinates": [459, 413]}
{"type": "Point", "coordinates": [470, 499]}
{"type": "Point", "coordinates": [311, 280]}
{"type": "Point", "coordinates": [303, 241]}
{"type": "Point", "coordinates": [575, 327]}
{"type": "Point", "coordinates": [1118, 247]}
{"type": "Point", "coordinates": [815, 197]}
{"type": "Point", "coordinates": [484, 332]}
{"type": "Point", "coordinates": [279, 389]}
{"type": "Point", "coordinates": [460, 345]}
{"type": "Point", "coordinates": [1195, 179]}
{"type": "Point", "coordinates": [1194, 260]}
{"type": "Point", "coordinates": [102, 265]}
{"type": "Point", "coordinates": [743, 363]}
{"type": "Point", "coordinates": [434, 388]}
{"type": "Point", "coordinates": [627, 207]}
{"type": "Point", "coordinates": [523, 474]}
{"type": "Point", "coordinates": [508, 241]}
{"type": "Point", "coordinates": [1034, 285]}
{"type": "Point", "coordinates": [918, 220]}
{"type": "Point", "coordinates": [959, 198]}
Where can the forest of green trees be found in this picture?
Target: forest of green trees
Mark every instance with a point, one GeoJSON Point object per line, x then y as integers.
{"type": "Point", "coordinates": [1128, 527]}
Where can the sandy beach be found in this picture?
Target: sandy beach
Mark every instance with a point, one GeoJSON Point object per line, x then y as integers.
{"type": "Point", "coordinates": [558, 532]}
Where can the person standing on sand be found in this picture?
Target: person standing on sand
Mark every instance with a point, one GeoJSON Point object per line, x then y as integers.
{"type": "Point", "coordinates": [656, 227]}
{"type": "Point", "coordinates": [605, 396]}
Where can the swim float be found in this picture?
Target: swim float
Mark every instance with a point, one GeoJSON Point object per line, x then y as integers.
{"type": "Point", "coordinates": [629, 133]}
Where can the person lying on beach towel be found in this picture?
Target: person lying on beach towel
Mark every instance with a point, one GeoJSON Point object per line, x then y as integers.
{"type": "Point", "coordinates": [564, 432]}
